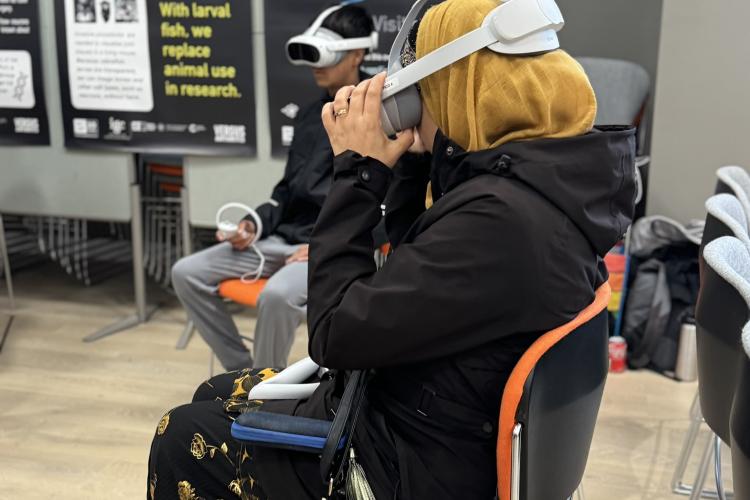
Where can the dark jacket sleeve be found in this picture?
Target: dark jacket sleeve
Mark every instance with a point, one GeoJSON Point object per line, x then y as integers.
{"type": "Point", "coordinates": [271, 212]}
{"type": "Point", "coordinates": [449, 290]}
{"type": "Point", "coordinates": [405, 200]}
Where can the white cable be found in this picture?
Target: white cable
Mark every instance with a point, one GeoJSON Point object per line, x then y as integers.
{"type": "Point", "coordinates": [229, 229]}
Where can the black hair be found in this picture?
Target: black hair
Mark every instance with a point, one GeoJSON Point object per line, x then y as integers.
{"type": "Point", "coordinates": [350, 21]}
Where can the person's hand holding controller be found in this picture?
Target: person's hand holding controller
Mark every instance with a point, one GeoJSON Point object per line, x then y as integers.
{"type": "Point", "coordinates": [242, 239]}
{"type": "Point", "coordinates": [352, 121]}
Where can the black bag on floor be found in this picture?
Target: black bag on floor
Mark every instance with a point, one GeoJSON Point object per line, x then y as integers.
{"type": "Point", "coordinates": [661, 296]}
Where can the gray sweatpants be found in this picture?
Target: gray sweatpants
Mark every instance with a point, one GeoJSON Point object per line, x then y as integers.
{"type": "Point", "coordinates": [281, 307]}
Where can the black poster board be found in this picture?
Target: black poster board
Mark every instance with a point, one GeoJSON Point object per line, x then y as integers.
{"type": "Point", "coordinates": [23, 113]}
{"type": "Point", "coordinates": [291, 88]}
{"type": "Point", "coordinates": [157, 76]}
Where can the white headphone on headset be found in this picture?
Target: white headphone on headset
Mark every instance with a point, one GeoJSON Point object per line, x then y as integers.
{"type": "Point", "coordinates": [229, 229]}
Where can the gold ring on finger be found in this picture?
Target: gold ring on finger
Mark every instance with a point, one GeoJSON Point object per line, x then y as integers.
{"type": "Point", "coordinates": [342, 112]}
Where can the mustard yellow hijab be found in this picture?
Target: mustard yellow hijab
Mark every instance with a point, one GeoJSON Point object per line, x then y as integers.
{"type": "Point", "coordinates": [488, 99]}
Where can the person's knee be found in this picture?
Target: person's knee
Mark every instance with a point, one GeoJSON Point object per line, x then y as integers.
{"type": "Point", "coordinates": [171, 431]}
{"type": "Point", "coordinates": [275, 298]}
{"type": "Point", "coordinates": [180, 270]}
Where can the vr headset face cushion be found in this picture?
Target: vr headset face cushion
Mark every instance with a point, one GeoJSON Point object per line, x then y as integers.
{"type": "Point", "coordinates": [303, 52]}
{"type": "Point", "coordinates": [310, 53]}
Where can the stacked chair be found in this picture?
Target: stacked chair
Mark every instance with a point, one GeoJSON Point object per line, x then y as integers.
{"type": "Point", "coordinates": [721, 313]}
{"type": "Point", "coordinates": [738, 424]}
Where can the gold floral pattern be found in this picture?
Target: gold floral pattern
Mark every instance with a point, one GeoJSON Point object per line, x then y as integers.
{"type": "Point", "coordinates": [239, 484]}
{"type": "Point", "coordinates": [163, 423]}
{"type": "Point", "coordinates": [235, 488]}
{"type": "Point", "coordinates": [186, 491]}
{"type": "Point", "coordinates": [198, 446]}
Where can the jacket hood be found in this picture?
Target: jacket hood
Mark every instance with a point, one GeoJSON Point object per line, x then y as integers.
{"type": "Point", "coordinates": [590, 178]}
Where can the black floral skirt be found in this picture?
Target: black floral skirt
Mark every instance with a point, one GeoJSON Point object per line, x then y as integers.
{"type": "Point", "coordinates": [193, 455]}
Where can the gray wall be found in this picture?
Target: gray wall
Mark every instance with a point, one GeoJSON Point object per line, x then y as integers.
{"type": "Point", "coordinates": [617, 29]}
{"type": "Point", "coordinates": [51, 180]}
{"type": "Point", "coordinates": [702, 103]}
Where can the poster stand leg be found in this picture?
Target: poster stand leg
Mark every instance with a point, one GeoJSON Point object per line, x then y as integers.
{"type": "Point", "coordinates": [8, 283]}
{"type": "Point", "coordinates": [142, 311]}
{"type": "Point", "coordinates": [6, 266]}
{"type": "Point", "coordinates": [187, 248]}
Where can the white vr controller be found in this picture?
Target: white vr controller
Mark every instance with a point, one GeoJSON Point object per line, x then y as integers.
{"type": "Point", "coordinates": [229, 229]}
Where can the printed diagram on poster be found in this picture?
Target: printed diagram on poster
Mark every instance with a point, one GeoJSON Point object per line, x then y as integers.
{"type": "Point", "coordinates": [157, 76]}
{"type": "Point", "coordinates": [291, 88]}
{"type": "Point", "coordinates": [23, 113]}
{"type": "Point", "coordinates": [16, 80]}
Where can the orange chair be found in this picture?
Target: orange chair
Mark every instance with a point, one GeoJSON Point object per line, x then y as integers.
{"type": "Point", "coordinates": [549, 408]}
{"type": "Point", "coordinates": [242, 293]}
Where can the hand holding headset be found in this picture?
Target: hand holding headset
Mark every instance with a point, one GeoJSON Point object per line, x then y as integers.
{"type": "Point", "coordinates": [229, 229]}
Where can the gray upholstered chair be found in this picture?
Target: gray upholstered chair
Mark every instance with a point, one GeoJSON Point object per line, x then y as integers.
{"type": "Point", "coordinates": [621, 88]}
{"type": "Point", "coordinates": [735, 180]}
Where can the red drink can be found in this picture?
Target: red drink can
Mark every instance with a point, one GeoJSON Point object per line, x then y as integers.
{"type": "Point", "coordinates": [618, 350]}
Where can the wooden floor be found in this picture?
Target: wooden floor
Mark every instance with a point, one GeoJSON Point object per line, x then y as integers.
{"type": "Point", "coordinates": [76, 419]}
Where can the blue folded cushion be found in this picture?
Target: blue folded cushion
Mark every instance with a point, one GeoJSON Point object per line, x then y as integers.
{"type": "Point", "coordinates": [282, 431]}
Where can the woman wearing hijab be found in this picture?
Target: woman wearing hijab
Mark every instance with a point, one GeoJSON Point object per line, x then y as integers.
{"type": "Point", "coordinates": [527, 199]}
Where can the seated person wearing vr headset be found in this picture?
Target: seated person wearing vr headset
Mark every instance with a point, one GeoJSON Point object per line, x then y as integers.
{"type": "Point", "coordinates": [528, 198]}
{"type": "Point", "coordinates": [334, 46]}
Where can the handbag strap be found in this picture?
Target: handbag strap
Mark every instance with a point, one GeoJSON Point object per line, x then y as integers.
{"type": "Point", "coordinates": [351, 400]}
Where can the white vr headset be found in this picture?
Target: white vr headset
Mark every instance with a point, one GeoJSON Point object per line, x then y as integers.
{"type": "Point", "coordinates": [515, 27]}
{"type": "Point", "coordinates": [321, 48]}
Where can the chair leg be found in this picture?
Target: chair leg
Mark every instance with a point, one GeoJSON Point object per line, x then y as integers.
{"type": "Point", "coordinates": [691, 436]}
{"type": "Point", "coordinates": [703, 466]}
{"type": "Point", "coordinates": [187, 334]}
{"type": "Point", "coordinates": [717, 468]}
{"type": "Point", "coordinates": [515, 471]}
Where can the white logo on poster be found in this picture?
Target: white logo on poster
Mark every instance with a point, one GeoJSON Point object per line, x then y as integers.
{"type": "Point", "coordinates": [290, 110]}
{"type": "Point", "coordinates": [86, 128]}
{"type": "Point", "coordinates": [16, 82]}
{"type": "Point", "coordinates": [195, 128]}
{"type": "Point", "coordinates": [139, 126]}
{"type": "Point", "coordinates": [26, 125]}
{"type": "Point", "coordinates": [116, 126]}
{"type": "Point", "coordinates": [230, 134]}
{"type": "Point", "coordinates": [287, 135]}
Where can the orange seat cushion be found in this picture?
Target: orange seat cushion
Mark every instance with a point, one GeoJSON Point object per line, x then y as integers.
{"type": "Point", "coordinates": [242, 293]}
{"type": "Point", "coordinates": [514, 388]}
